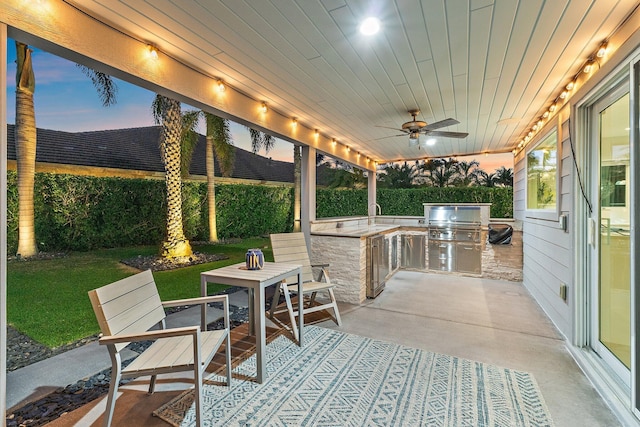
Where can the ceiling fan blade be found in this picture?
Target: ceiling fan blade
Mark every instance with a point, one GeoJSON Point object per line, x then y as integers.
{"type": "Point", "coordinates": [441, 124]}
{"type": "Point", "coordinates": [447, 134]}
{"type": "Point", "coordinates": [387, 127]}
{"type": "Point", "coordinates": [390, 136]}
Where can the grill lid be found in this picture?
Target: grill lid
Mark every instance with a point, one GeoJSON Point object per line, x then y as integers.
{"type": "Point", "coordinates": [454, 215]}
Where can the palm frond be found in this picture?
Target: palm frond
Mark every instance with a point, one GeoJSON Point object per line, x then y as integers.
{"type": "Point", "coordinates": [188, 139]}
{"type": "Point", "coordinates": [260, 140]}
{"type": "Point", "coordinates": [218, 130]}
{"type": "Point", "coordinates": [158, 106]}
{"type": "Point", "coordinates": [104, 84]}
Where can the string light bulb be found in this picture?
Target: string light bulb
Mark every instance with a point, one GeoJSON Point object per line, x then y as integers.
{"type": "Point", "coordinates": [334, 142]}
{"type": "Point", "coordinates": [564, 94]}
{"type": "Point", "coordinates": [570, 85]}
{"type": "Point", "coordinates": [264, 108]}
{"type": "Point", "coordinates": [316, 133]}
{"type": "Point", "coordinates": [294, 123]}
{"type": "Point", "coordinates": [602, 51]}
{"type": "Point", "coordinates": [153, 52]}
{"type": "Point", "coordinates": [588, 66]}
{"type": "Point", "coordinates": [220, 86]}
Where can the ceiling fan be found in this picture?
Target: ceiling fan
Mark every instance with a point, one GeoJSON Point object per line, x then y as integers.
{"type": "Point", "coordinates": [415, 127]}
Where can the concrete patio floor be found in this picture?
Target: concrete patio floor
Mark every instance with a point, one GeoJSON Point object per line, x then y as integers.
{"type": "Point", "coordinates": [490, 321]}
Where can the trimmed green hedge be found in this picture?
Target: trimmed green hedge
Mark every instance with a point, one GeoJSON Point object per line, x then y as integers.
{"type": "Point", "coordinates": [84, 213]}
{"type": "Point", "coordinates": [408, 201]}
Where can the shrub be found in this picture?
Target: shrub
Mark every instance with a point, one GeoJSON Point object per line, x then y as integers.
{"type": "Point", "coordinates": [84, 213]}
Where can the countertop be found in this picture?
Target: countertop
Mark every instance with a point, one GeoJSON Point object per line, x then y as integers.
{"type": "Point", "coordinates": [358, 232]}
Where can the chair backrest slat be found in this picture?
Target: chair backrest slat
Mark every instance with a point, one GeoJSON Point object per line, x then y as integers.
{"type": "Point", "coordinates": [292, 248]}
{"type": "Point", "coordinates": [128, 306]}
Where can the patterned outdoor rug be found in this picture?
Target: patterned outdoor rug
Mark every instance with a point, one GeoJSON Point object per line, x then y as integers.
{"type": "Point", "coordinates": [339, 379]}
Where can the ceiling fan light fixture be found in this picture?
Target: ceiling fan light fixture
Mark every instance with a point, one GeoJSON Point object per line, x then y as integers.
{"type": "Point", "coordinates": [414, 138]}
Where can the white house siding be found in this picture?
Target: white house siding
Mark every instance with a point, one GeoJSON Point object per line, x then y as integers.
{"type": "Point", "coordinates": [547, 249]}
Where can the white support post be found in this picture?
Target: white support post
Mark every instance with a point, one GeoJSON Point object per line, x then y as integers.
{"type": "Point", "coordinates": [308, 190]}
{"type": "Point", "coordinates": [371, 194]}
{"type": "Point", "coordinates": [3, 223]}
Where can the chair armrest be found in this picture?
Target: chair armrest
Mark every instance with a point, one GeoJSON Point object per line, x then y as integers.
{"type": "Point", "coordinates": [203, 301]}
{"type": "Point", "coordinates": [324, 274]}
{"type": "Point", "coordinates": [150, 335]}
{"type": "Point", "coordinates": [199, 300]}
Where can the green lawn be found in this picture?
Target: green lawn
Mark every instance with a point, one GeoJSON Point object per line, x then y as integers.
{"type": "Point", "coordinates": [47, 299]}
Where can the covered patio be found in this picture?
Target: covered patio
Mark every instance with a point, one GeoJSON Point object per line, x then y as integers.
{"type": "Point", "coordinates": [489, 321]}
{"type": "Point", "coordinates": [517, 76]}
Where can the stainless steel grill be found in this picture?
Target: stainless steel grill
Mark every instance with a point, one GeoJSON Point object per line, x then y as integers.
{"type": "Point", "coordinates": [455, 239]}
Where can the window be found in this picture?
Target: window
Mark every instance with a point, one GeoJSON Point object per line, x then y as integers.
{"type": "Point", "coordinates": [541, 174]}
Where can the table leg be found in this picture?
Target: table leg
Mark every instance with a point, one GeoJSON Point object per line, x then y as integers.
{"type": "Point", "coordinates": [300, 309]}
{"type": "Point", "coordinates": [203, 307]}
{"type": "Point", "coordinates": [261, 333]}
{"type": "Point", "coordinates": [252, 314]}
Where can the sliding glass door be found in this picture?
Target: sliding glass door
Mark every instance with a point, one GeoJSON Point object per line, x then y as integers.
{"type": "Point", "coordinates": [611, 276]}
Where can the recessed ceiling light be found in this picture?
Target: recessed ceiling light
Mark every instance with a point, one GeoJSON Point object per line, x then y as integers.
{"type": "Point", "coordinates": [431, 141]}
{"type": "Point", "coordinates": [370, 26]}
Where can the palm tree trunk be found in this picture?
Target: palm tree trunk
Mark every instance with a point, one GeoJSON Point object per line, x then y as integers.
{"type": "Point", "coordinates": [297, 160]}
{"type": "Point", "coordinates": [211, 191]}
{"type": "Point", "coordinates": [176, 244]}
{"type": "Point", "coordinates": [26, 141]}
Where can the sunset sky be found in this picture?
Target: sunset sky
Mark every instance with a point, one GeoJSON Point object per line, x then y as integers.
{"type": "Point", "coordinates": [66, 100]}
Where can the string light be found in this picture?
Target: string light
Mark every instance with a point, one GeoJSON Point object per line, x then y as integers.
{"type": "Point", "coordinates": [587, 68]}
{"type": "Point", "coordinates": [263, 107]}
{"type": "Point", "coordinates": [316, 133]}
{"type": "Point", "coordinates": [602, 51]}
{"type": "Point", "coordinates": [153, 52]}
{"type": "Point", "coordinates": [334, 142]}
{"type": "Point", "coordinates": [220, 86]}
{"type": "Point", "coordinates": [294, 123]}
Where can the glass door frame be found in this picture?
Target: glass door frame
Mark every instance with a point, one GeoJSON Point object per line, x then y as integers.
{"type": "Point", "coordinates": [628, 70]}
{"type": "Point", "coordinates": [601, 103]}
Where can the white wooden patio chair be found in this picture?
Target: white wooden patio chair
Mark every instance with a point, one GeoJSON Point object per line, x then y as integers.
{"type": "Point", "coordinates": [127, 309]}
{"type": "Point", "coordinates": [292, 248]}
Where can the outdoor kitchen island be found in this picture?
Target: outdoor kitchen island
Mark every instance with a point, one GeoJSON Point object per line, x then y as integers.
{"type": "Point", "coordinates": [363, 252]}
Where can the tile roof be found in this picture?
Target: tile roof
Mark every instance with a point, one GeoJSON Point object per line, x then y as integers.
{"type": "Point", "coordinates": [137, 149]}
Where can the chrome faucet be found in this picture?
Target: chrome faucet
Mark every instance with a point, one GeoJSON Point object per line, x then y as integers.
{"type": "Point", "coordinates": [375, 205]}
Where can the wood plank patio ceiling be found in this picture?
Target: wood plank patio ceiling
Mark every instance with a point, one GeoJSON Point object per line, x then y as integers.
{"type": "Point", "coordinates": [494, 65]}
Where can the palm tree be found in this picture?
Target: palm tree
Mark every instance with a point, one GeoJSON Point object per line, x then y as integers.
{"type": "Point", "coordinates": [504, 176]}
{"type": "Point", "coordinates": [167, 113]}
{"type": "Point", "coordinates": [441, 172]}
{"type": "Point", "coordinates": [26, 140]}
{"type": "Point", "coordinates": [399, 176]}
{"type": "Point", "coordinates": [487, 179]}
{"type": "Point", "coordinates": [467, 173]}
{"type": "Point", "coordinates": [220, 146]}
{"type": "Point", "coordinates": [297, 186]}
